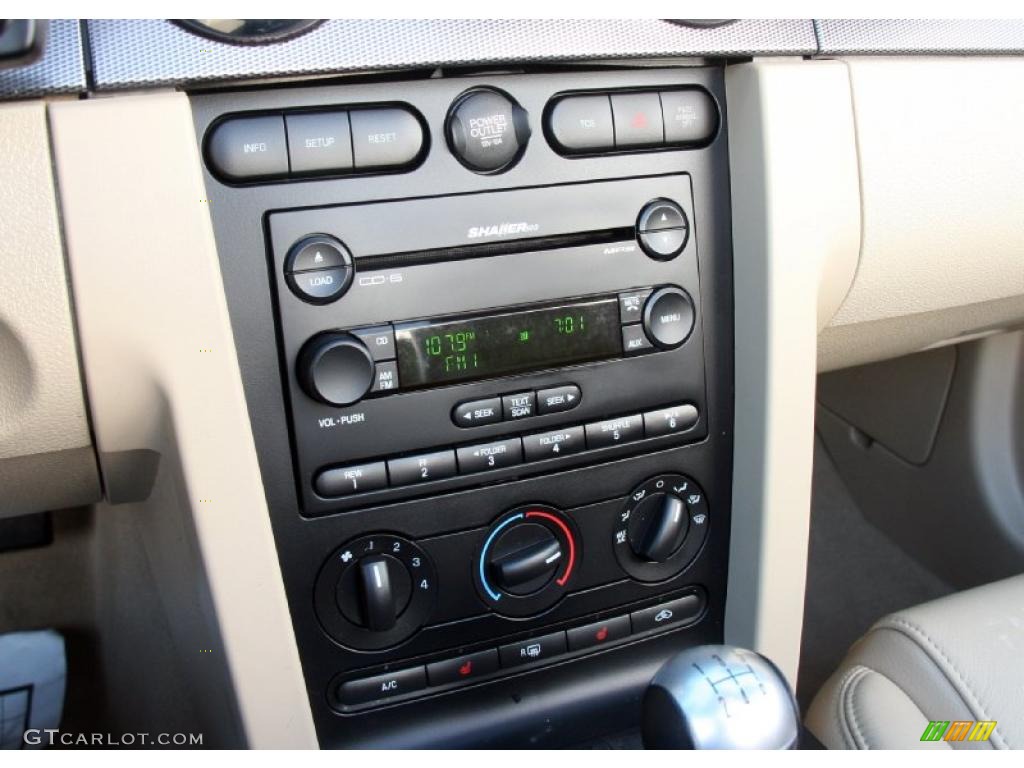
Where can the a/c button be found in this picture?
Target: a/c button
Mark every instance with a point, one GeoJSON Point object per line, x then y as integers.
{"type": "Point", "coordinates": [379, 687]}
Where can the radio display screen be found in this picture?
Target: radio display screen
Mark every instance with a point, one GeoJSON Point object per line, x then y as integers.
{"type": "Point", "coordinates": [441, 351]}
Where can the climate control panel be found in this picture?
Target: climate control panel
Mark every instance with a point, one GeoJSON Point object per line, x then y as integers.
{"type": "Point", "coordinates": [377, 591]}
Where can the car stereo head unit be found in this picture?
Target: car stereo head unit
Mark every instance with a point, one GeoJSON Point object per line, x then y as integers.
{"type": "Point", "coordinates": [408, 343]}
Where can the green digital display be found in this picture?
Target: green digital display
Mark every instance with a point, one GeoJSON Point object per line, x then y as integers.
{"type": "Point", "coordinates": [441, 351]}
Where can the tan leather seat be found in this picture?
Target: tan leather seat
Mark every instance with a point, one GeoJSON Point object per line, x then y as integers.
{"type": "Point", "coordinates": [958, 659]}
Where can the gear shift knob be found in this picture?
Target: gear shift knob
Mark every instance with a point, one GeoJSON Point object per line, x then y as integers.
{"type": "Point", "coordinates": [719, 697]}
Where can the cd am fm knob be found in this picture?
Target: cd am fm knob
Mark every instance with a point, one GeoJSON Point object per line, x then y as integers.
{"type": "Point", "coordinates": [335, 368]}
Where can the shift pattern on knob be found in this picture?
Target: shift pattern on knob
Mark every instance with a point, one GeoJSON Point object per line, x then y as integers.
{"type": "Point", "coordinates": [720, 697]}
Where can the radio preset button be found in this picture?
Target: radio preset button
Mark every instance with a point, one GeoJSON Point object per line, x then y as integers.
{"type": "Point", "coordinates": [380, 341]}
{"type": "Point", "coordinates": [558, 399]}
{"type": "Point", "coordinates": [551, 445]}
{"type": "Point", "coordinates": [669, 317]}
{"type": "Point", "coordinates": [344, 481]}
{"type": "Point", "coordinates": [625, 429]}
{"type": "Point", "coordinates": [488, 456]}
{"type": "Point", "coordinates": [519, 406]}
{"type": "Point", "coordinates": [385, 377]}
{"type": "Point", "coordinates": [410, 470]}
{"type": "Point", "coordinates": [669, 421]}
{"type": "Point", "coordinates": [634, 340]}
{"type": "Point", "coordinates": [476, 412]}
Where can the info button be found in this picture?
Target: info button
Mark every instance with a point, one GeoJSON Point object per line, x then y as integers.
{"type": "Point", "coordinates": [473, 413]}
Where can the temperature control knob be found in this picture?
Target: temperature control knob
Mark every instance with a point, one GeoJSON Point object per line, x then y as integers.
{"type": "Point", "coordinates": [523, 558]}
{"type": "Point", "coordinates": [662, 528]}
{"type": "Point", "coordinates": [527, 561]}
{"type": "Point", "coordinates": [335, 368]}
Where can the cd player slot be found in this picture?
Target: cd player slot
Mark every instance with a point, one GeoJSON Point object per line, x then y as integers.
{"type": "Point", "coordinates": [504, 248]}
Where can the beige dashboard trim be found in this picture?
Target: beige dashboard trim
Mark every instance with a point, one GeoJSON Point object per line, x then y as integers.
{"type": "Point", "coordinates": [942, 177]}
{"type": "Point", "coordinates": [796, 235]}
{"type": "Point", "coordinates": [46, 454]}
{"type": "Point", "coordinates": [165, 385]}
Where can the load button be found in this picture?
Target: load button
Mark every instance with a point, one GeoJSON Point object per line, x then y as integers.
{"type": "Point", "coordinates": [558, 399]}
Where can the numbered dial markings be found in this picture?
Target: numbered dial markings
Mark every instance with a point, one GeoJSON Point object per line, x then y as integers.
{"type": "Point", "coordinates": [632, 533]}
{"type": "Point", "coordinates": [341, 611]}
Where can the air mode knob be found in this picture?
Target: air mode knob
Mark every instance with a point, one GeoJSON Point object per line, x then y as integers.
{"type": "Point", "coordinates": [335, 368]}
{"type": "Point", "coordinates": [661, 528]}
{"type": "Point", "coordinates": [658, 526]}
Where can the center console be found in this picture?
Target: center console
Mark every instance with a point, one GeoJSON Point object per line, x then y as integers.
{"type": "Point", "coordinates": [485, 329]}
